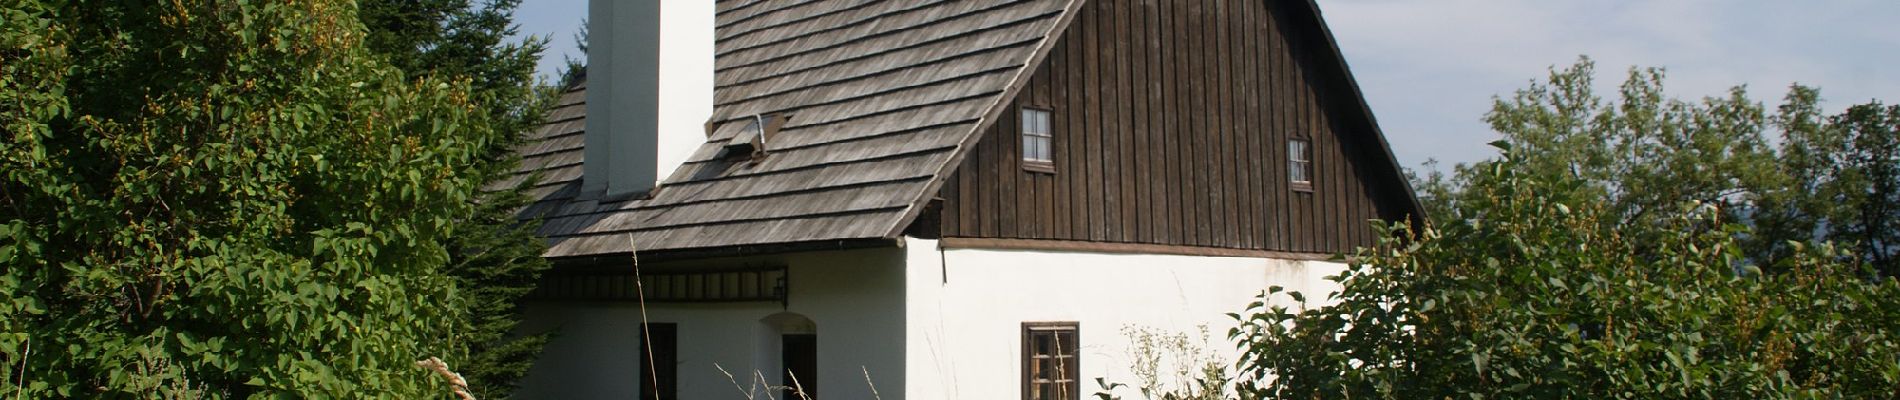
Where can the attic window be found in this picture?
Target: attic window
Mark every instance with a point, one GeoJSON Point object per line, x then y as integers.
{"type": "Point", "coordinates": [1038, 141]}
{"type": "Point", "coordinates": [1299, 156]}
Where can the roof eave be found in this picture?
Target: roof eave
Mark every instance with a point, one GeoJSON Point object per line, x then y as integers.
{"type": "Point", "coordinates": [622, 259]}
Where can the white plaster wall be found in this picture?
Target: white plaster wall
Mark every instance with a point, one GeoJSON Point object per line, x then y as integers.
{"type": "Point", "coordinates": [854, 297]}
{"type": "Point", "coordinates": [686, 80]}
{"type": "Point", "coordinates": [966, 308]}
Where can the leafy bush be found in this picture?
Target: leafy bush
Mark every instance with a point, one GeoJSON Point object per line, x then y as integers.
{"type": "Point", "coordinates": [1531, 294]}
{"type": "Point", "coordinates": [1639, 248]}
{"type": "Point", "coordinates": [495, 258]}
{"type": "Point", "coordinates": [224, 199]}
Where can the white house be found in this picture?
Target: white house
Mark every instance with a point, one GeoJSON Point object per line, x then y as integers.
{"type": "Point", "coordinates": [936, 199]}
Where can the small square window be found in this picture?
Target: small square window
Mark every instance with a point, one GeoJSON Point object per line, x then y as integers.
{"type": "Point", "coordinates": [1038, 140]}
{"type": "Point", "coordinates": [1299, 156]}
{"type": "Point", "coordinates": [1051, 365]}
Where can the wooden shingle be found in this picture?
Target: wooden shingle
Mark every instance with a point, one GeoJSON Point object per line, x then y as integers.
{"type": "Point", "coordinates": [882, 96]}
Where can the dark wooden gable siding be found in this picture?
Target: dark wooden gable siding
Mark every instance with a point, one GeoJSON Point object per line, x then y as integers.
{"type": "Point", "coordinates": [1171, 119]}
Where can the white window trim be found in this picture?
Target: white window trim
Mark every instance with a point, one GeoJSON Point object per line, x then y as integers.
{"type": "Point", "coordinates": [1300, 164]}
{"type": "Point", "coordinates": [1037, 145]}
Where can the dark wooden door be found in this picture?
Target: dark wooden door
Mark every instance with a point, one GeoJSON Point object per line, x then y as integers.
{"type": "Point", "coordinates": [800, 353]}
{"type": "Point", "coordinates": [658, 380]}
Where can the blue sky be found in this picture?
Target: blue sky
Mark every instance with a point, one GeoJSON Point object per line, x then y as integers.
{"type": "Point", "coordinates": [1431, 67]}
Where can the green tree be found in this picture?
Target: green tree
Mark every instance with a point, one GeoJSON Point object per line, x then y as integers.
{"type": "Point", "coordinates": [1615, 249]}
{"type": "Point", "coordinates": [1796, 200]}
{"type": "Point", "coordinates": [226, 199]}
{"type": "Point", "coordinates": [1534, 296]}
{"type": "Point", "coordinates": [459, 38]}
{"type": "Point", "coordinates": [1643, 153]}
{"type": "Point", "coordinates": [1869, 184]}
{"type": "Point", "coordinates": [1838, 179]}
{"type": "Point", "coordinates": [1831, 177]}
{"type": "Point", "coordinates": [495, 259]}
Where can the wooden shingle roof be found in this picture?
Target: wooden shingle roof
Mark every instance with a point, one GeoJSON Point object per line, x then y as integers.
{"type": "Point", "coordinates": [882, 96]}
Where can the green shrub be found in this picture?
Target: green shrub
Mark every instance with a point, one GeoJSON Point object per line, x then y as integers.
{"type": "Point", "coordinates": [224, 199]}
{"type": "Point", "coordinates": [1531, 294]}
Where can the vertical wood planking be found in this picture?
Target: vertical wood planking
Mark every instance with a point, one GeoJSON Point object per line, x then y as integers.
{"type": "Point", "coordinates": [1095, 127]}
{"type": "Point", "coordinates": [1316, 206]}
{"type": "Point", "coordinates": [1134, 205]}
{"type": "Point", "coordinates": [1182, 213]}
{"type": "Point", "coordinates": [1263, 119]}
{"type": "Point", "coordinates": [1053, 84]}
{"type": "Point", "coordinates": [1302, 201]}
{"type": "Point", "coordinates": [1112, 115]}
{"type": "Point", "coordinates": [1196, 131]}
{"type": "Point", "coordinates": [1209, 112]}
{"type": "Point", "coordinates": [1151, 204]}
{"type": "Point", "coordinates": [1310, 127]}
{"type": "Point", "coordinates": [1126, 150]}
{"type": "Point", "coordinates": [1008, 169]}
{"type": "Point", "coordinates": [980, 185]}
{"type": "Point", "coordinates": [1160, 89]}
{"type": "Point", "coordinates": [1329, 200]}
{"type": "Point", "coordinates": [1335, 184]}
{"type": "Point", "coordinates": [1165, 132]}
{"type": "Point", "coordinates": [1249, 115]}
{"type": "Point", "coordinates": [1208, 88]}
{"type": "Point", "coordinates": [1276, 133]}
{"type": "Point", "coordinates": [950, 215]}
{"type": "Point", "coordinates": [1190, 133]}
{"type": "Point", "coordinates": [1316, 225]}
{"type": "Point", "coordinates": [1144, 184]}
{"type": "Point", "coordinates": [1236, 122]}
{"type": "Point", "coordinates": [1171, 120]}
{"type": "Point", "coordinates": [1133, 193]}
{"type": "Point", "coordinates": [1361, 233]}
{"type": "Point", "coordinates": [1077, 171]}
{"type": "Point", "coordinates": [1218, 89]}
{"type": "Point", "coordinates": [988, 201]}
{"type": "Point", "coordinates": [1230, 137]}
{"type": "Point", "coordinates": [966, 204]}
{"type": "Point", "coordinates": [1182, 126]}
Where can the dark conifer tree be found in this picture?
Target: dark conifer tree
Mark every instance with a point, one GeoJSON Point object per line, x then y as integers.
{"type": "Point", "coordinates": [495, 259]}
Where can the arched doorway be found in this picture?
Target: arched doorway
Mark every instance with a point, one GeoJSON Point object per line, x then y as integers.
{"type": "Point", "coordinates": [793, 339]}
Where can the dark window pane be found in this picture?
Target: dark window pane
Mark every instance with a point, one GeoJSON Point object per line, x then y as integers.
{"type": "Point", "coordinates": [799, 353]}
{"type": "Point", "coordinates": [657, 368]}
{"type": "Point", "coordinates": [1051, 361]}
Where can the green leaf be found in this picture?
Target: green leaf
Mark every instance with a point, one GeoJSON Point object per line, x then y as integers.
{"type": "Point", "coordinates": [1480, 362]}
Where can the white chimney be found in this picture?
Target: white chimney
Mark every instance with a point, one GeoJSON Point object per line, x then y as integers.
{"type": "Point", "coordinates": [649, 91]}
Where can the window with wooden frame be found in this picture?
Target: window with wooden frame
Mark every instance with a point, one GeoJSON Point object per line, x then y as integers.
{"type": "Point", "coordinates": [1051, 368]}
{"type": "Point", "coordinates": [1299, 164]}
{"type": "Point", "coordinates": [1038, 141]}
